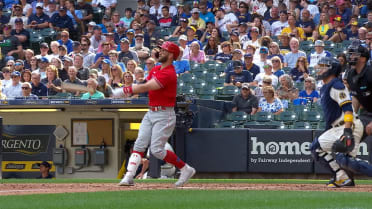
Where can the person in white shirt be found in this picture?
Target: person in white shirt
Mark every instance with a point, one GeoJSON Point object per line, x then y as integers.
{"type": "Point", "coordinates": [277, 27]}
{"type": "Point", "coordinates": [7, 78]}
{"type": "Point", "coordinates": [156, 9]}
{"type": "Point", "coordinates": [225, 22]}
{"type": "Point", "coordinates": [258, 80]}
{"type": "Point", "coordinates": [254, 39]}
{"type": "Point", "coordinates": [313, 9]}
{"type": "Point", "coordinates": [15, 88]}
{"type": "Point", "coordinates": [263, 53]}
{"type": "Point", "coordinates": [319, 53]}
{"type": "Point", "coordinates": [290, 59]}
{"type": "Point", "coordinates": [108, 4]}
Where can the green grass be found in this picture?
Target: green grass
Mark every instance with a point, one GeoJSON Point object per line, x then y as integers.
{"type": "Point", "coordinates": [195, 199]}
{"type": "Point", "coordinates": [182, 199]}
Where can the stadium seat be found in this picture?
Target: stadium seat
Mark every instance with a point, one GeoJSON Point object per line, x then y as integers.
{"type": "Point", "coordinates": [262, 117]}
{"type": "Point", "coordinates": [238, 116]}
{"type": "Point", "coordinates": [227, 93]}
{"type": "Point", "coordinates": [187, 90]}
{"type": "Point", "coordinates": [220, 69]}
{"type": "Point", "coordinates": [197, 84]}
{"type": "Point", "coordinates": [207, 93]}
{"type": "Point", "coordinates": [302, 125]}
{"type": "Point", "coordinates": [210, 78]}
{"type": "Point", "coordinates": [226, 124]}
{"type": "Point", "coordinates": [218, 83]}
{"type": "Point", "coordinates": [288, 117]}
{"type": "Point", "coordinates": [186, 77]}
{"type": "Point", "coordinates": [276, 124]}
{"type": "Point", "coordinates": [321, 125]}
{"type": "Point", "coordinates": [286, 69]}
{"type": "Point", "coordinates": [311, 116]}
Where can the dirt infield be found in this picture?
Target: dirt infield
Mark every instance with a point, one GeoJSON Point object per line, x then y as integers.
{"type": "Point", "coordinates": [34, 188]}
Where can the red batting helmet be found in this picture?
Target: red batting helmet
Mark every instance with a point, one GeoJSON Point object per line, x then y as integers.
{"type": "Point", "coordinates": [171, 48]}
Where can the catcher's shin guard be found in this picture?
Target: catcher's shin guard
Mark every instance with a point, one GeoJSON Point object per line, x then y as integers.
{"type": "Point", "coordinates": [354, 165]}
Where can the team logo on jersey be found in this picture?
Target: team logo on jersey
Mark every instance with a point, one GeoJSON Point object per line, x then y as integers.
{"type": "Point", "coordinates": [342, 95]}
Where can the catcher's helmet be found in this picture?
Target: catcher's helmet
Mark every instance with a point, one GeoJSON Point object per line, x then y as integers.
{"type": "Point", "coordinates": [355, 51]}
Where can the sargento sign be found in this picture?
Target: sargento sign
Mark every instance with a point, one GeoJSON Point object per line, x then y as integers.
{"type": "Point", "coordinates": [26, 144]}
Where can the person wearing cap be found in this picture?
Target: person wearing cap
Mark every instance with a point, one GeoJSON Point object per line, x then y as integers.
{"type": "Point", "coordinates": [161, 119]}
{"type": "Point", "coordinates": [65, 40]}
{"type": "Point", "coordinates": [336, 34]}
{"type": "Point", "coordinates": [191, 36]}
{"type": "Point", "coordinates": [43, 64]}
{"type": "Point", "coordinates": [196, 21]}
{"type": "Point", "coordinates": [38, 20]}
{"type": "Point", "coordinates": [38, 88]}
{"type": "Point", "coordinates": [237, 77]}
{"type": "Point", "coordinates": [22, 34]}
{"type": "Point", "coordinates": [86, 9]}
{"type": "Point", "coordinates": [14, 89]}
{"type": "Point", "coordinates": [95, 94]}
{"type": "Point", "coordinates": [290, 59]}
{"type": "Point", "coordinates": [254, 34]}
{"type": "Point", "coordinates": [97, 38]}
{"type": "Point", "coordinates": [166, 19]}
{"type": "Point", "coordinates": [44, 49]}
{"type": "Point", "coordinates": [126, 53]}
{"type": "Point", "coordinates": [263, 57]}
{"type": "Point", "coordinates": [11, 47]}
{"type": "Point", "coordinates": [319, 53]}
{"type": "Point", "coordinates": [44, 170]}
{"type": "Point", "coordinates": [102, 55]}
{"type": "Point", "coordinates": [237, 55]}
{"type": "Point", "coordinates": [294, 31]}
{"type": "Point", "coordinates": [61, 21]}
{"type": "Point", "coordinates": [7, 77]}
{"type": "Point", "coordinates": [182, 28]}
{"type": "Point", "coordinates": [250, 66]}
{"type": "Point", "coordinates": [225, 22]}
{"type": "Point", "coordinates": [268, 67]}
{"type": "Point", "coordinates": [277, 27]}
{"type": "Point", "coordinates": [18, 13]}
{"type": "Point", "coordinates": [142, 51]}
{"type": "Point", "coordinates": [245, 101]}
{"type": "Point", "coordinates": [89, 30]}
{"type": "Point", "coordinates": [19, 65]}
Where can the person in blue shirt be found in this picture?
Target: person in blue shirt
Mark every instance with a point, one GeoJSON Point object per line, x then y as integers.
{"type": "Point", "coordinates": [3, 18]}
{"type": "Point", "coordinates": [180, 65]}
{"type": "Point", "coordinates": [205, 14]}
{"type": "Point", "coordinates": [250, 66]}
{"type": "Point", "coordinates": [61, 21]}
{"type": "Point", "coordinates": [243, 15]}
{"type": "Point", "coordinates": [343, 132]}
{"type": "Point", "coordinates": [75, 14]}
{"type": "Point", "coordinates": [38, 20]}
{"type": "Point", "coordinates": [343, 11]}
{"type": "Point", "coordinates": [38, 88]}
{"type": "Point", "coordinates": [309, 94]}
{"type": "Point", "coordinates": [65, 40]}
{"type": "Point", "coordinates": [238, 76]}
{"type": "Point", "coordinates": [352, 34]}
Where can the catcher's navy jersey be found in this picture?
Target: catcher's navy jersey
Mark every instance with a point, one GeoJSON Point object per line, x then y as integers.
{"type": "Point", "coordinates": [335, 100]}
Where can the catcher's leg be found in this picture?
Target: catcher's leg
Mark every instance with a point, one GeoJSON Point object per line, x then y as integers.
{"type": "Point", "coordinates": [354, 164]}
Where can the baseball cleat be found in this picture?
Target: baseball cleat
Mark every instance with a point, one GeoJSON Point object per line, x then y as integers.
{"type": "Point", "coordinates": [341, 183]}
{"type": "Point", "coordinates": [126, 182]}
{"type": "Point", "coordinates": [186, 174]}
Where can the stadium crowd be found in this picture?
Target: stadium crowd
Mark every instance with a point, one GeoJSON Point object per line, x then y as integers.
{"type": "Point", "coordinates": [268, 49]}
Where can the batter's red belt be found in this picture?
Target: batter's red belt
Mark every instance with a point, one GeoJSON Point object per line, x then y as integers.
{"type": "Point", "coordinates": [159, 108]}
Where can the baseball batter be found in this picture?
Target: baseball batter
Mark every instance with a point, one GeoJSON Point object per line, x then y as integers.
{"type": "Point", "coordinates": [158, 123]}
{"type": "Point", "coordinates": [343, 130]}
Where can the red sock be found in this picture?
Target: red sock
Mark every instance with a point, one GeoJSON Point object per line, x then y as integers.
{"type": "Point", "coordinates": [172, 158]}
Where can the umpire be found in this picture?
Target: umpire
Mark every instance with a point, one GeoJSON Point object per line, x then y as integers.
{"type": "Point", "coordinates": [359, 79]}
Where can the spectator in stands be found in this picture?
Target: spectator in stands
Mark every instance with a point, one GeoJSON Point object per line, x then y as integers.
{"type": "Point", "coordinates": [274, 15]}
{"type": "Point", "coordinates": [106, 47]}
{"type": "Point", "coordinates": [166, 19]}
{"type": "Point", "coordinates": [82, 72]}
{"type": "Point", "coordinates": [343, 62]}
{"type": "Point", "coordinates": [300, 72]}
{"type": "Point", "coordinates": [257, 22]}
{"type": "Point", "coordinates": [172, 9]}
{"type": "Point", "coordinates": [270, 103]}
{"type": "Point", "coordinates": [243, 15]}
{"type": "Point", "coordinates": [115, 19]}
{"type": "Point", "coordinates": [93, 84]}
{"type": "Point", "coordinates": [225, 55]}
{"type": "Point", "coordinates": [22, 34]}
{"type": "Point", "coordinates": [44, 170]}
{"type": "Point", "coordinates": [286, 91]}
{"type": "Point", "coordinates": [14, 89]}
{"type": "Point", "coordinates": [29, 53]}
{"type": "Point", "coordinates": [319, 53]}
{"type": "Point", "coordinates": [17, 13]}
{"type": "Point", "coordinates": [34, 64]}
{"type": "Point", "coordinates": [139, 77]}
{"type": "Point", "coordinates": [181, 65]}
{"type": "Point", "coordinates": [61, 21]}
{"type": "Point", "coordinates": [142, 51]}
{"type": "Point", "coordinates": [97, 38]}
{"type": "Point", "coordinates": [150, 63]}
{"type": "Point", "coordinates": [87, 11]}
{"type": "Point", "coordinates": [4, 19]}
{"type": "Point", "coordinates": [7, 77]}
{"type": "Point", "coordinates": [234, 39]}
{"type": "Point", "coordinates": [313, 9]}
{"type": "Point", "coordinates": [110, 39]}
{"type": "Point", "coordinates": [309, 93]}
{"type": "Point", "coordinates": [182, 28]}
{"type": "Point", "coordinates": [195, 54]}
{"type": "Point", "coordinates": [284, 44]}
{"type": "Point", "coordinates": [27, 92]}
{"type": "Point", "coordinates": [155, 53]}
{"type": "Point", "coordinates": [243, 33]}
{"type": "Point", "coordinates": [54, 49]}
{"type": "Point", "coordinates": [2, 96]}
{"type": "Point", "coordinates": [245, 101]}
{"type": "Point", "coordinates": [114, 55]}
{"type": "Point", "coordinates": [274, 51]}
{"type": "Point", "coordinates": [237, 56]}
{"type": "Point", "coordinates": [116, 80]}
{"type": "Point", "coordinates": [156, 8]}
{"type": "Point", "coordinates": [277, 66]}
{"type": "Point", "coordinates": [323, 27]}
{"type": "Point", "coordinates": [237, 77]}
{"type": "Point", "coordinates": [352, 34]}
{"type": "Point", "coordinates": [108, 5]}
{"type": "Point", "coordinates": [343, 11]}
{"type": "Point", "coordinates": [211, 48]}
{"type": "Point", "coordinates": [44, 49]}
{"type": "Point", "coordinates": [254, 32]}
{"type": "Point", "coordinates": [128, 18]}
{"type": "Point", "coordinates": [277, 27]}
{"type": "Point", "coordinates": [89, 31]}
{"type": "Point", "coordinates": [38, 88]}
{"type": "Point", "coordinates": [67, 63]}
{"type": "Point", "coordinates": [292, 30]}
{"type": "Point", "coordinates": [39, 20]}
{"type": "Point", "coordinates": [52, 81]}
{"type": "Point", "coordinates": [73, 79]}
{"type": "Point", "coordinates": [250, 66]}
{"type": "Point", "coordinates": [128, 81]}
{"type": "Point", "coordinates": [267, 73]}
{"type": "Point", "coordinates": [88, 57]}
{"type": "Point", "coordinates": [225, 22]}
{"type": "Point", "coordinates": [65, 40]}
{"type": "Point", "coordinates": [337, 33]}
{"type": "Point", "coordinates": [11, 47]}
{"type": "Point", "coordinates": [19, 65]}
{"type": "Point", "coordinates": [106, 69]}
{"type": "Point", "coordinates": [104, 87]}
{"type": "Point", "coordinates": [197, 22]}
{"type": "Point", "coordinates": [51, 9]}
{"type": "Point", "coordinates": [332, 14]}
{"type": "Point", "coordinates": [10, 63]}
{"type": "Point", "coordinates": [290, 59]}
{"type": "Point", "coordinates": [191, 37]}
{"type": "Point", "coordinates": [204, 14]}
{"type": "Point", "coordinates": [25, 76]}
{"type": "Point", "coordinates": [57, 63]}
{"type": "Point", "coordinates": [263, 53]}
{"type": "Point", "coordinates": [126, 53]}
{"type": "Point", "coordinates": [362, 32]}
